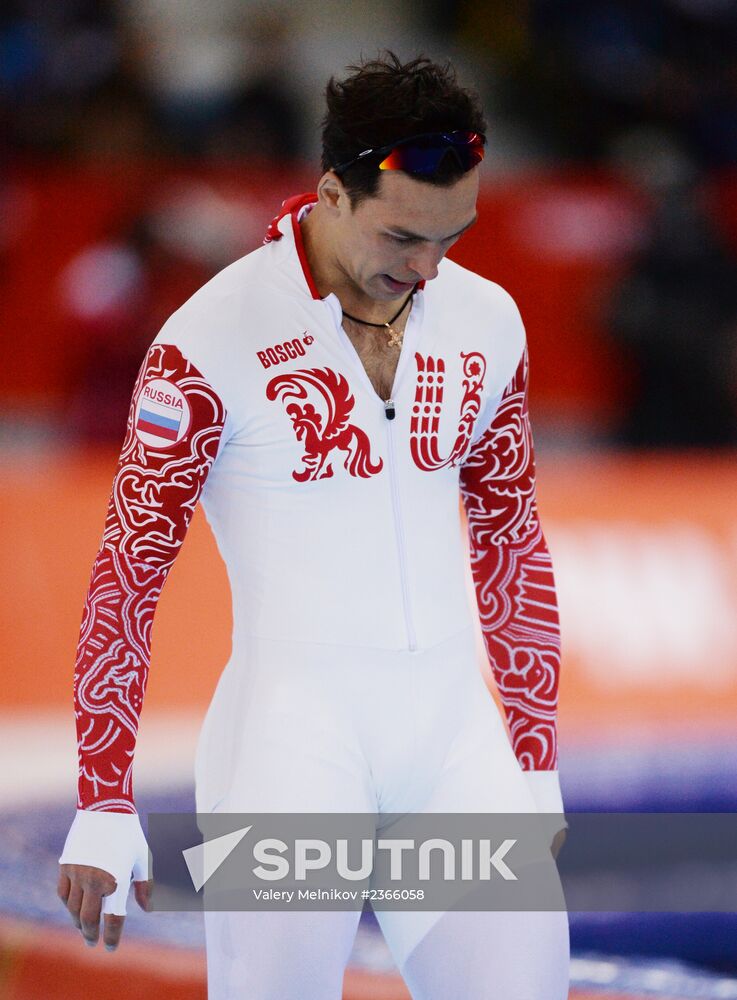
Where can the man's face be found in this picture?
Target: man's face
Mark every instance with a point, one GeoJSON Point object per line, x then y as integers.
{"type": "Point", "coordinates": [398, 237]}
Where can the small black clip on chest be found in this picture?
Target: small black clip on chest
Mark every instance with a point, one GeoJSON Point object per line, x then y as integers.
{"type": "Point", "coordinates": [389, 410]}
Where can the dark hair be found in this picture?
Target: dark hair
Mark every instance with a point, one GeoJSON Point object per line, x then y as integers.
{"type": "Point", "coordinates": [384, 101]}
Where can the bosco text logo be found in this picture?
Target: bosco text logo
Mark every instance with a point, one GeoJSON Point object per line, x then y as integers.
{"type": "Point", "coordinates": [290, 349]}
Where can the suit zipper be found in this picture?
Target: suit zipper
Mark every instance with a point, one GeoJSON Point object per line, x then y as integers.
{"type": "Point", "coordinates": [399, 532]}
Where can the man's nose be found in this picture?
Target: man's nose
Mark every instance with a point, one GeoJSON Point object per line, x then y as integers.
{"type": "Point", "coordinates": [424, 262]}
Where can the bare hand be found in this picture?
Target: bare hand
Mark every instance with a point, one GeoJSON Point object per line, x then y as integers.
{"type": "Point", "coordinates": [82, 888]}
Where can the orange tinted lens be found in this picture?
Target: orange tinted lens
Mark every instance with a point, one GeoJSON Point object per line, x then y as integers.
{"type": "Point", "coordinates": [393, 161]}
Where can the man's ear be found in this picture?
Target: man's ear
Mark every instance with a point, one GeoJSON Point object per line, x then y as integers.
{"type": "Point", "coordinates": [331, 193]}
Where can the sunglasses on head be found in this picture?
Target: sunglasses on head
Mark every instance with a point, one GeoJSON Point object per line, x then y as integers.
{"type": "Point", "coordinates": [423, 154]}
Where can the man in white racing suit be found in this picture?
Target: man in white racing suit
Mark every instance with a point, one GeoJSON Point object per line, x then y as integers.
{"type": "Point", "coordinates": [326, 397]}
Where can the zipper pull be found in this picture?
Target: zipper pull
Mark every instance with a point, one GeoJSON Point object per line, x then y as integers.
{"type": "Point", "coordinates": [389, 410]}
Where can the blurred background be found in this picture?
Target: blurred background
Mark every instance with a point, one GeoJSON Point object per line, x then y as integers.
{"type": "Point", "coordinates": [145, 144]}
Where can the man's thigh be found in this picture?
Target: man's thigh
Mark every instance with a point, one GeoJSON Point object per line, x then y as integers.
{"type": "Point", "coordinates": [278, 955]}
{"type": "Point", "coordinates": [489, 954]}
{"type": "Point", "coordinates": [480, 775]}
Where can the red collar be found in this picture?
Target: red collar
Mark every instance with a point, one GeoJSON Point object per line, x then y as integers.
{"type": "Point", "coordinates": [293, 206]}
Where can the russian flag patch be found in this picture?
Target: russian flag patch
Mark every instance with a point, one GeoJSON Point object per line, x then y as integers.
{"type": "Point", "coordinates": [162, 414]}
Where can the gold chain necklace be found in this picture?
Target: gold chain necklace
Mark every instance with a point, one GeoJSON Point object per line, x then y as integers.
{"type": "Point", "coordinates": [397, 336]}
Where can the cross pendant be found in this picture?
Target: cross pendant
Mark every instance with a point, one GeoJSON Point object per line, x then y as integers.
{"type": "Point", "coordinates": [396, 338]}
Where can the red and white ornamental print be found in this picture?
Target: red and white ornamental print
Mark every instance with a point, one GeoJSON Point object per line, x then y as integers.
{"type": "Point", "coordinates": [154, 494]}
{"type": "Point", "coordinates": [319, 403]}
{"type": "Point", "coordinates": [428, 405]}
{"type": "Point", "coordinates": [513, 576]}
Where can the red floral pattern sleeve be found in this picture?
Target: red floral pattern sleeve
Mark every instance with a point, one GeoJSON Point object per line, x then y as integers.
{"type": "Point", "coordinates": [171, 441]}
{"type": "Point", "coordinates": [513, 576]}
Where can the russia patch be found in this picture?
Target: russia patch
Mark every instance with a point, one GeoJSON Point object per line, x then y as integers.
{"type": "Point", "coordinates": [162, 414]}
